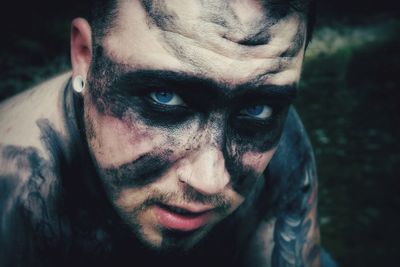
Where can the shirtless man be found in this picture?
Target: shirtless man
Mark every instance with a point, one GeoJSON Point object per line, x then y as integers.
{"type": "Point", "coordinates": [172, 141]}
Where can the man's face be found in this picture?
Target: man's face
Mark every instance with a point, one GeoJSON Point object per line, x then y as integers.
{"type": "Point", "coordinates": [186, 106]}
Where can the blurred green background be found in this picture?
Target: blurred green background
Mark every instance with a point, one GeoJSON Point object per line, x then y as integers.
{"type": "Point", "coordinates": [349, 101]}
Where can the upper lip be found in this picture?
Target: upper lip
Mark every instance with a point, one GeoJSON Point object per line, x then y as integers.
{"type": "Point", "coordinates": [192, 208]}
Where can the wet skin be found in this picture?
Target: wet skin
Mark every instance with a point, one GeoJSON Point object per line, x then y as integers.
{"type": "Point", "coordinates": [228, 84]}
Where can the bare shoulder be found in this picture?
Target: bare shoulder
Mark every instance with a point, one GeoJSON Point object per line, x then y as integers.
{"type": "Point", "coordinates": [28, 122]}
{"type": "Point", "coordinates": [19, 115]}
{"type": "Point", "coordinates": [24, 119]}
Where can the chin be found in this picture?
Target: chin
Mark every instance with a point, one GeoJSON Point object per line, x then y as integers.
{"type": "Point", "coordinates": [170, 241]}
{"type": "Point", "coordinates": [153, 235]}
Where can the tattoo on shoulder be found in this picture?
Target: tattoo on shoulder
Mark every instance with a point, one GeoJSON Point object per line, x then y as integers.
{"type": "Point", "coordinates": [293, 177]}
{"type": "Point", "coordinates": [38, 204]}
{"type": "Point", "coordinates": [296, 234]}
{"type": "Point", "coordinates": [27, 181]}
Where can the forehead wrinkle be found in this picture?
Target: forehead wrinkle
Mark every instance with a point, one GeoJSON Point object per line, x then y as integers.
{"type": "Point", "coordinates": [182, 37]}
{"type": "Point", "coordinates": [256, 77]}
{"type": "Point", "coordinates": [206, 82]}
{"type": "Point", "coordinates": [266, 69]}
{"type": "Point", "coordinates": [233, 20]}
{"type": "Point", "coordinates": [233, 16]}
{"type": "Point", "coordinates": [205, 60]}
{"type": "Point", "coordinates": [181, 81]}
{"type": "Point", "coordinates": [218, 12]}
{"type": "Point", "coordinates": [200, 46]}
{"type": "Point", "coordinates": [218, 19]}
{"type": "Point", "coordinates": [286, 35]}
{"type": "Point", "coordinates": [248, 23]}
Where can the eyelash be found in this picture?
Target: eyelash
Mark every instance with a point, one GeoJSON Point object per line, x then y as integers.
{"type": "Point", "coordinates": [239, 114]}
{"type": "Point", "coordinates": [164, 108]}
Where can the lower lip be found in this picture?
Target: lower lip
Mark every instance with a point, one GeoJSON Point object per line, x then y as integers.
{"type": "Point", "coordinates": [178, 222]}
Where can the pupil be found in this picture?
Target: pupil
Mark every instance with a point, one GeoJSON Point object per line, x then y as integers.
{"type": "Point", "coordinates": [256, 110]}
{"type": "Point", "coordinates": [164, 96]}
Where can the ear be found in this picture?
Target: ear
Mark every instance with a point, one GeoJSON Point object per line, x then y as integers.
{"type": "Point", "coordinates": [81, 47]}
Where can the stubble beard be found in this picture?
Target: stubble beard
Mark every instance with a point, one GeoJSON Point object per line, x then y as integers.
{"type": "Point", "coordinates": [171, 242]}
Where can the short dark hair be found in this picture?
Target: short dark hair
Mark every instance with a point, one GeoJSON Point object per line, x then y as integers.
{"type": "Point", "coordinates": [101, 17]}
{"type": "Point", "coordinates": [311, 20]}
{"type": "Point", "coordinates": [103, 13]}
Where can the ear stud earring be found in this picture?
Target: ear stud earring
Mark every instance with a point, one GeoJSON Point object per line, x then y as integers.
{"type": "Point", "coordinates": [78, 84]}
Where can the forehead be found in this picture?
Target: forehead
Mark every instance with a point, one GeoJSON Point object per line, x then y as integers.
{"type": "Point", "coordinates": [229, 41]}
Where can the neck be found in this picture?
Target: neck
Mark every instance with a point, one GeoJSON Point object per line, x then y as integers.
{"type": "Point", "coordinates": [83, 216]}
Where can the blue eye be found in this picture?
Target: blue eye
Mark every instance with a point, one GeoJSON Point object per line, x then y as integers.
{"type": "Point", "coordinates": [167, 98]}
{"type": "Point", "coordinates": [258, 111]}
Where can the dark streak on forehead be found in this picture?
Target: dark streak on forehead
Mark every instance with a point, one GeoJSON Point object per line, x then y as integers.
{"type": "Point", "coordinates": [197, 84]}
{"type": "Point", "coordinates": [217, 26]}
{"type": "Point", "coordinates": [215, 12]}
{"type": "Point", "coordinates": [192, 82]}
{"type": "Point", "coordinates": [297, 43]}
{"type": "Point", "coordinates": [222, 13]}
{"type": "Point", "coordinates": [158, 13]}
{"type": "Point", "coordinates": [260, 38]}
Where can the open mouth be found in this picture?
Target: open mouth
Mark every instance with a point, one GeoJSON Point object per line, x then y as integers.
{"type": "Point", "coordinates": [180, 219]}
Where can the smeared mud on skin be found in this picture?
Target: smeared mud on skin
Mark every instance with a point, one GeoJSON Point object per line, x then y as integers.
{"type": "Point", "coordinates": [210, 114]}
{"type": "Point", "coordinates": [222, 28]}
{"type": "Point", "coordinates": [259, 38]}
{"type": "Point", "coordinates": [150, 167]}
{"type": "Point", "coordinates": [101, 76]}
{"type": "Point", "coordinates": [142, 171]}
{"type": "Point", "coordinates": [224, 14]}
{"type": "Point", "coordinates": [31, 215]}
{"type": "Point", "coordinates": [297, 44]}
{"type": "Point", "coordinates": [56, 212]}
{"type": "Point", "coordinates": [18, 166]}
{"type": "Point", "coordinates": [126, 93]}
{"type": "Point", "coordinates": [86, 230]}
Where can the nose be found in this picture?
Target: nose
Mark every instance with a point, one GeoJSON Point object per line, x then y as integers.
{"type": "Point", "coordinates": [204, 171]}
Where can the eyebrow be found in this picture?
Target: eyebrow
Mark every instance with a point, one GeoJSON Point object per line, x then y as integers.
{"type": "Point", "coordinates": [145, 81]}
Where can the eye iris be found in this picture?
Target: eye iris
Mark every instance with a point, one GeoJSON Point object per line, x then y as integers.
{"type": "Point", "coordinates": [164, 97]}
{"type": "Point", "coordinates": [255, 110]}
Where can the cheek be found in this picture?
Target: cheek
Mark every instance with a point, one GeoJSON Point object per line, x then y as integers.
{"type": "Point", "coordinates": [115, 141]}
{"type": "Point", "coordinates": [258, 161]}
{"type": "Point", "coordinates": [129, 199]}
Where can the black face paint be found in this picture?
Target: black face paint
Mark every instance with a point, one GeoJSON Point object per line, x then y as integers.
{"type": "Point", "coordinates": [297, 44]}
{"type": "Point", "coordinates": [87, 230]}
{"type": "Point", "coordinates": [223, 14]}
{"type": "Point", "coordinates": [143, 171]}
{"type": "Point", "coordinates": [242, 179]}
{"type": "Point", "coordinates": [213, 108]}
{"type": "Point", "coordinates": [56, 210]}
{"type": "Point", "coordinates": [127, 92]}
{"type": "Point", "coordinates": [259, 136]}
{"type": "Point", "coordinates": [260, 38]}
